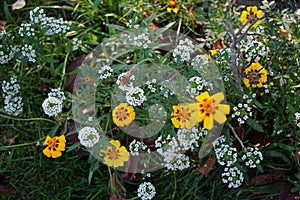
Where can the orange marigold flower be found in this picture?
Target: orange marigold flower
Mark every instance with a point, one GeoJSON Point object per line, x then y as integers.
{"type": "Point", "coordinates": [185, 116]}
{"type": "Point", "coordinates": [255, 75]}
{"type": "Point", "coordinates": [123, 114]}
{"type": "Point", "coordinates": [55, 146]}
{"type": "Point", "coordinates": [211, 109]}
{"type": "Point", "coordinates": [172, 6]}
{"type": "Point", "coordinates": [115, 155]}
{"type": "Point", "coordinates": [252, 13]}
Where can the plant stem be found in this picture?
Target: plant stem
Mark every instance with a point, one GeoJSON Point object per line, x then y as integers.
{"type": "Point", "coordinates": [237, 137]}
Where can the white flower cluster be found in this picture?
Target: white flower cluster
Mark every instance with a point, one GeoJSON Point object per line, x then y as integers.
{"type": "Point", "coordinates": [252, 157]}
{"type": "Point", "coordinates": [2, 33]}
{"type": "Point", "coordinates": [135, 96]}
{"type": "Point", "coordinates": [13, 103]}
{"type": "Point", "coordinates": [166, 91]}
{"type": "Point", "coordinates": [135, 147]}
{"type": "Point", "coordinates": [26, 29]}
{"type": "Point", "coordinates": [188, 139]}
{"type": "Point", "coordinates": [196, 86]}
{"type": "Point", "coordinates": [253, 49]}
{"type": "Point", "coordinates": [146, 191]}
{"type": "Point", "coordinates": [223, 57]}
{"type": "Point", "coordinates": [28, 53]}
{"type": "Point", "coordinates": [233, 177]}
{"type": "Point", "coordinates": [243, 110]}
{"type": "Point", "coordinates": [226, 155]}
{"type": "Point", "coordinates": [105, 72]}
{"type": "Point", "coordinates": [151, 85]}
{"type": "Point", "coordinates": [49, 24]}
{"type": "Point", "coordinates": [170, 150]}
{"type": "Point", "coordinates": [200, 62]}
{"type": "Point", "coordinates": [5, 58]}
{"type": "Point", "coordinates": [88, 136]}
{"type": "Point", "coordinates": [124, 82]}
{"type": "Point", "coordinates": [76, 43]}
{"type": "Point", "coordinates": [183, 50]}
{"type": "Point", "coordinates": [141, 41]}
{"type": "Point", "coordinates": [297, 115]}
{"type": "Point", "coordinates": [52, 106]}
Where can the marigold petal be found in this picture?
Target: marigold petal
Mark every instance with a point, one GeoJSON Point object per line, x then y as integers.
{"type": "Point", "coordinates": [202, 97]}
{"type": "Point", "coordinates": [47, 152]}
{"type": "Point", "coordinates": [116, 143]}
{"type": "Point", "coordinates": [219, 117]}
{"type": "Point", "coordinates": [253, 9]}
{"type": "Point", "coordinates": [48, 138]}
{"type": "Point", "coordinates": [208, 122]}
{"type": "Point", "coordinates": [259, 14]}
{"type": "Point", "coordinates": [55, 153]}
{"type": "Point", "coordinates": [244, 17]}
{"type": "Point", "coordinates": [218, 97]}
{"type": "Point", "coordinates": [175, 10]}
{"type": "Point", "coordinates": [225, 109]}
{"type": "Point", "coordinates": [175, 122]}
{"type": "Point", "coordinates": [169, 9]}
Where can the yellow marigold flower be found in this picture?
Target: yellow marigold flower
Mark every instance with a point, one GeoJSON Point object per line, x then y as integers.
{"type": "Point", "coordinates": [284, 33]}
{"type": "Point", "coordinates": [255, 75]}
{"type": "Point", "coordinates": [185, 116]}
{"type": "Point", "coordinates": [213, 52]}
{"type": "Point", "coordinates": [55, 146]}
{"type": "Point", "coordinates": [123, 114]}
{"type": "Point", "coordinates": [115, 155]}
{"type": "Point", "coordinates": [253, 13]}
{"type": "Point", "coordinates": [172, 7]}
{"type": "Point", "coordinates": [211, 109]}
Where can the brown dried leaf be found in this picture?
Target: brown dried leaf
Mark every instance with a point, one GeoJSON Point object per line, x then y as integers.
{"type": "Point", "coordinates": [130, 168]}
{"type": "Point", "coordinates": [9, 141]}
{"type": "Point", "coordinates": [207, 166]}
{"type": "Point", "coordinates": [18, 4]}
{"type": "Point", "coordinates": [218, 44]}
{"type": "Point", "coordinates": [264, 179]}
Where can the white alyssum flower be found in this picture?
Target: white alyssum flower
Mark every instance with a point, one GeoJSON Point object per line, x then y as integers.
{"type": "Point", "coordinates": [105, 72]}
{"type": "Point", "coordinates": [88, 136]}
{"type": "Point", "coordinates": [52, 106]}
{"type": "Point", "coordinates": [297, 115]}
{"type": "Point", "coordinates": [188, 138]}
{"type": "Point", "coordinates": [58, 94]}
{"type": "Point", "coordinates": [135, 147]}
{"type": "Point", "coordinates": [172, 154]}
{"type": "Point", "coordinates": [13, 104]}
{"type": "Point", "coordinates": [253, 49]}
{"type": "Point", "coordinates": [233, 177]}
{"type": "Point", "coordinates": [142, 41]}
{"type": "Point", "coordinates": [135, 96]}
{"type": "Point", "coordinates": [197, 85]}
{"type": "Point", "coordinates": [252, 157]}
{"type": "Point", "coordinates": [183, 50]}
{"type": "Point", "coordinates": [200, 62]}
{"type": "Point", "coordinates": [146, 191]}
{"type": "Point", "coordinates": [124, 82]}
{"type": "Point", "coordinates": [226, 155]}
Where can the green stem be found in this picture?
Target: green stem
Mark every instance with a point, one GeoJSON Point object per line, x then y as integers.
{"type": "Point", "coordinates": [18, 145]}
{"type": "Point", "coordinates": [30, 119]}
{"type": "Point", "coordinates": [64, 70]}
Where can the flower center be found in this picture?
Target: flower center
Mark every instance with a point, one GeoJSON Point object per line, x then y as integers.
{"type": "Point", "coordinates": [122, 114]}
{"type": "Point", "coordinates": [185, 115]}
{"type": "Point", "coordinates": [53, 143]}
{"type": "Point", "coordinates": [113, 153]}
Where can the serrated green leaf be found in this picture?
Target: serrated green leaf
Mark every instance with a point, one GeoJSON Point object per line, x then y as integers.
{"type": "Point", "coordinates": [253, 124]}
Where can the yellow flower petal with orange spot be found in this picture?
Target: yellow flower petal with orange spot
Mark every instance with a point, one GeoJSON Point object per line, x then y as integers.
{"type": "Point", "coordinates": [115, 155]}
{"type": "Point", "coordinates": [55, 146]}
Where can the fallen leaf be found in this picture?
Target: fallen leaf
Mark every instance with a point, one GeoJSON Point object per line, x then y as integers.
{"type": "Point", "coordinates": [9, 141]}
{"type": "Point", "coordinates": [264, 179]}
{"type": "Point", "coordinates": [18, 4]}
{"type": "Point", "coordinates": [207, 166]}
{"type": "Point", "coordinates": [2, 25]}
{"type": "Point", "coordinates": [218, 44]}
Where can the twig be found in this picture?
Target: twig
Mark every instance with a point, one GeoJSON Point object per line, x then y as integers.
{"type": "Point", "coordinates": [237, 137]}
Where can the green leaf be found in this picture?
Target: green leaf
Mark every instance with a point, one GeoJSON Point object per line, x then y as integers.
{"type": "Point", "coordinates": [286, 147]}
{"type": "Point", "coordinates": [251, 122]}
{"type": "Point", "coordinates": [74, 146]}
{"type": "Point", "coordinates": [93, 168]}
{"type": "Point", "coordinates": [258, 104]}
{"type": "Point", "coordinates": [113, 26]}
{"type": "Point", "coordinates": [7, 13]}
{"type": "Point", "coordinates": [277, 154]}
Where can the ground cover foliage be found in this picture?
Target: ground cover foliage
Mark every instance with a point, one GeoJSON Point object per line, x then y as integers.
{"type": "Point", "coordinates": [209, 110]}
